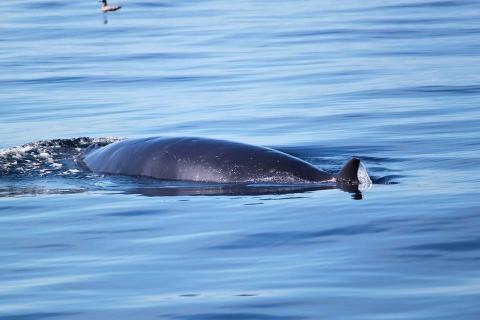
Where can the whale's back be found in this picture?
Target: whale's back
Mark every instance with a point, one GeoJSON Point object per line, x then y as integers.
{"type": "Point", "coordinates": [200, 159]}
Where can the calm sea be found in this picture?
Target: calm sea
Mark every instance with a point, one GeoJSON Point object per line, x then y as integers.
{"type": "Point", "coordinates": [396, 83]}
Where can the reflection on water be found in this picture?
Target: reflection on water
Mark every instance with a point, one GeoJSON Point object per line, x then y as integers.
{"type": "Point", "coordinates": [164, 188]}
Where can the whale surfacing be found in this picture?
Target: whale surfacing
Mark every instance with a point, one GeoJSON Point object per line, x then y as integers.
{"type": "Point", "coordinates": [211, 160]}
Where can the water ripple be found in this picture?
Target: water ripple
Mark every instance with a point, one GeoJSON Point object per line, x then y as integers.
{"type": "Point", "coordinates": [287, 238]}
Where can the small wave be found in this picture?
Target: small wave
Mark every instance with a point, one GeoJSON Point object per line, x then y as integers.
{"type": "Point", "coordinates": [154, 4]}
{"type": "Point", "coordinates": [390, 179]}
{"type": "Point", "coordinates": [294, 238]}
{"type": "Point", "coordinates": [429, 5]}
{"type": "Point", "coordinates": [45, 5]}
{"type": "Point", "coordinates": [420, 91]}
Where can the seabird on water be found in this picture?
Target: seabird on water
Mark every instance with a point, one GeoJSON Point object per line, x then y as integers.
{"type": "Point", "coordinates": [107, 8]}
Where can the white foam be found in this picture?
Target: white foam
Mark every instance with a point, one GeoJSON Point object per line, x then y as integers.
{"type": "Point", "coordinates": [45, 157]}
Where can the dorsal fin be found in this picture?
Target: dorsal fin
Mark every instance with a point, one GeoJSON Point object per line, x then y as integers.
{"type": "Point", "coordinates": [353, 172]}
{"type": "Point", "coordinates": [349, 172]}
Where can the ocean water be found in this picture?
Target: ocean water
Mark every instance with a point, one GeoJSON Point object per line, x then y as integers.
{"type": "Point", "coordinates": [395, 83]}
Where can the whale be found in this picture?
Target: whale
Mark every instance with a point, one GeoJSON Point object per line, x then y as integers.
{"type": "Point", "coordinates": [214, 161]}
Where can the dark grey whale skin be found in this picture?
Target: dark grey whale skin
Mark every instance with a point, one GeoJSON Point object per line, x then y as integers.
{"type": "Point", "coordinates": [206, 160]}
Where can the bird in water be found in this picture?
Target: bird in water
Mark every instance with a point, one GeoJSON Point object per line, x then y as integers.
{"type": "Point", "coordinates": [107, 8]}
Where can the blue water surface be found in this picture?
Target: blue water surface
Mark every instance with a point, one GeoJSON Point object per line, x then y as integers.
{"type": "Point", "coordinates": [396, 83]}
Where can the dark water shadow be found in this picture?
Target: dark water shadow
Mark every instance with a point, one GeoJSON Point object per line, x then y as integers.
{"type": "Point", "coordinates": [44, 5]}
{"type": "Point", "coordinates": [235, 316]}
{"type": "Point", "coordinates": [429, 5]}
{"type": "Point", "coordinates": [289, 238]}
{"type": "Point", "coordinates": [453, 246]}
{"type": "Point", "coordinates": [136, 212]}
{"type": "Point", "coordinates": [51, 246]}
{"type": "Point", "coordinates": [38, 316]}
{"type": "Point", "coordinates": [112, 232]}
{"type": "Point", "coordinates": [154, 4]}
{"type": "Point", "coordinates": [271, 305]}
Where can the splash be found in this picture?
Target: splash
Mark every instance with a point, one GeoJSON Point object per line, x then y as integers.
{"type": "Point", "coordinates": [47, 157]}
{"type": "Point", "coordinates": [363, 178]}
